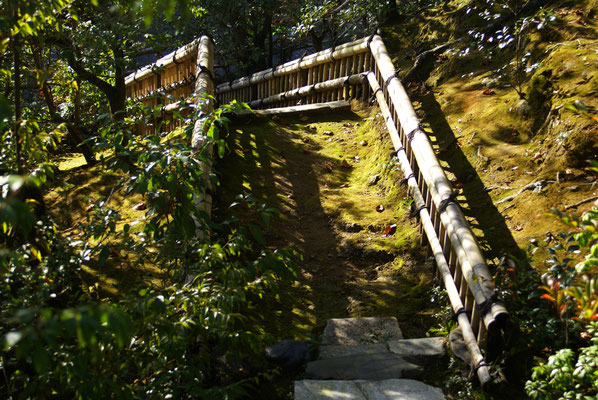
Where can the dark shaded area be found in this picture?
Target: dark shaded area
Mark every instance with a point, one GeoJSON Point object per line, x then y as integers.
{"type": "Point", "coordinates": [497, 239]}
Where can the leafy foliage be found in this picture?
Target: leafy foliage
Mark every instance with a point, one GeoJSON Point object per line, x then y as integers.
{"type": "Point", "coordinates": [197, 335]}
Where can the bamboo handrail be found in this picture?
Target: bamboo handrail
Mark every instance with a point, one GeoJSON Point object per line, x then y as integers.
{"type": "Point", "coordinates": [475, 270]}
{"type": "Point", "coordinates": [469, 337]}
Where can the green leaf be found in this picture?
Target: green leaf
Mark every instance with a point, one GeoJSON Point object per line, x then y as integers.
{"type": "Point", "coordinates": [11, 339]}
{"type": "Point", "coordinates": [257, 234]}
{"type": "Point", "coordinates": [5, 109]}
{"type": "Point", "coordinates": [104, 254]}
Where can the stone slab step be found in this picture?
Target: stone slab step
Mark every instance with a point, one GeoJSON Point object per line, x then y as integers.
{"type": "Point", "coordinates": [431, 347]}
{"type": "Point", "coordinates": [377, 366]}
{"type": "Point", "coordinates": [359, 331]}
{"type": "Point", "coordinates": [391, 389]}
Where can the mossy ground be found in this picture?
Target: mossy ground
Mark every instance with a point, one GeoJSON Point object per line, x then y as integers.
{"type": "Point", "coordinates": [315, 169]}
{"type": "Point", "coordinates": [488, 149]}
{"type": "Point", "coordinates": [71, 199]}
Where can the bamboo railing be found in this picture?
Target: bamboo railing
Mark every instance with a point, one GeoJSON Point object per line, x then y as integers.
{"type": "Point", "coordinates": [186, 72]}
{"type": "Point", "coordinates": [164, 83]}
{"type": "Point", "coordinates": [355, 70]}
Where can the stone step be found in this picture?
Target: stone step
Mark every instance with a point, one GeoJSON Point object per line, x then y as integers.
{"type": "Point", "coordinates": [376, 366]}
{"type": "Point", "coordinates": [391, 389]}
{"type": "Point", "coordinates": [359, 331]}
{"type": "Point", "coordinates": [421, 348]}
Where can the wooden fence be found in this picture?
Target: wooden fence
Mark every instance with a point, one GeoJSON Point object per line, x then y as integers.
{"type": "Point", "coordinates": [163, 84]}
{"type": "Point", "coordinates": [358, 70]}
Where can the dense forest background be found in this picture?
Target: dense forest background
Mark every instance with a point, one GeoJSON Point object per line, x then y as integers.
{"type": "Point", "coordinates": [191, 313]}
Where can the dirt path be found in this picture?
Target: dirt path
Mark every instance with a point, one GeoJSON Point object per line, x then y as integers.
{"type": "Point", "coordinates": [319, 171]}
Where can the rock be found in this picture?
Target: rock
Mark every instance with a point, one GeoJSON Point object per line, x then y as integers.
{"type": "Point", "coordinates": [489, 82]}
{"type": "Point", "coordinates": [363, 366]}
{"type": "Point", "coordinates": [363, 143]}
{"type": "Point", "coordinates": [373, 180]}
{"type": "Point", "coordinates": [357, 331]}
{"type": "Point", "coordinates": [428, 347]}
{"type": "Point", "coordinates": [335, 350]}
{"type": "Point", "coordinates": [345, 249]}
{"type": "Point", "coordinates": [352, 227]}
{"type": "Point", "coordinates": [523, 108]}
{"type": "Point", "coordinates": [311, 127]}
{"type": "Point", "coordinates": [290, 354]}
{"type": "Point", "coordinates": [458, 346]}
{"type": "Point", "coordinates": [328, 133]}
{"type": "Point", "coordinates": [389, 389]}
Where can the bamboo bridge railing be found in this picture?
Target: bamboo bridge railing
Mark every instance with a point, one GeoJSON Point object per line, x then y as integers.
{"type": "Point", "coordinates": [358, 70]}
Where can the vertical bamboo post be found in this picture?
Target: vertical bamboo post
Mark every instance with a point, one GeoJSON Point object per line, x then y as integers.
{"type": "Point", "coordinates": [204, 85]}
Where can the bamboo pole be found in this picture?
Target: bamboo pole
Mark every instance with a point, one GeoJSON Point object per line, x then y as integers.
{"type": "Point", "coordinates": [474, 268]}
{"type": "Point", "coordinates": [470, 340]}
{"type": "Point", "coordinates": [204, 85]}
{"type": "Point", "coordinates": [179, 55]}
{"type": "Point", "coordinates": [342, 51]}
{"type": "Point", "coordinates": [333, 84]}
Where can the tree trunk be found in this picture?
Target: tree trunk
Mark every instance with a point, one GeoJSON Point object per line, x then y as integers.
{"type": "Point", "coordinates": [74, 130]}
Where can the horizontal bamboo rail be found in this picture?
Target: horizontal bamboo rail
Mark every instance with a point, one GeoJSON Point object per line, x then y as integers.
{"type": "Point", "coordinates": [277, 87]}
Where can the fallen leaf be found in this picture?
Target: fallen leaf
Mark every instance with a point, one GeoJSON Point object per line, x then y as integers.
{"type": "Point", "coordinates": [581, 22]}
{"type": "Point", "coordinates": [442, 57]}
{"type": "Point", "coordinates": [459, 185]}
{"type": "Point", "coordinates": [345, 164]}
{"type": "Point", "coordinates": [329, 167]}
{"type": "Point", "coordinates": [348, 125]}
{"type": "Point", "coordinates": [380, 208]}
{"type": "Point", "coordinates": [303, 118]}
{"type": "Point", "coordinates": [344, 185]}
{"type": "Point", "coordinates": [390, 230]}
{"type": "Point", "coordinates": [518, 228]}
{"type": "Point", "coordinates": [510, 140]}
{"type": "Point", "coordinates": [139, 206]}
{"type": "Point", "coordinates": [507, 101]}
{"type": "Point", "coordinates": [488, 92]}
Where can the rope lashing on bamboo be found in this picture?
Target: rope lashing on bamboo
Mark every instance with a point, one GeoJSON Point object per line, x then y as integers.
{"type": "Point", "coordinates": [485, 307]}
{"type": "Point", "coordinates": [445, 202]}
{"type": "Point", "coordinates": [332, 49]}
{"type": "Point", "coordinates": [481, 364]}
{"type": "Point", "coordinates": [203, 69]}
{"type": "Point", "coordinates": [411, 134]}
{"type": "Point", "coordinates": [369, 42]}
{"type": "Point", "coordinates": [405, 180]}
{"type": "Point", "coordinates": [174, 59]}
{"type": "Point", "coordinates": [455, 316]}
{"type": "Point", "coordinates": [135, 77]}
{"type": "Point", "coordinates": [373, 99]}
{"type": "Point", "coordinates": [415, 212]}
{"type": "Point", "coordinates": [390, 78]}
